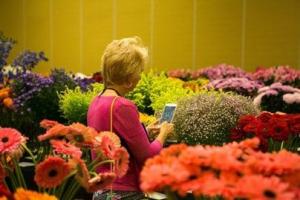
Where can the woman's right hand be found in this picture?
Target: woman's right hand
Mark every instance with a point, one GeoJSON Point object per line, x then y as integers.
{"type": "Point", "coordinates": [165, 130]}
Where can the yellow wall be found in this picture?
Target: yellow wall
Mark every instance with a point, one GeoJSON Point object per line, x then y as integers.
{"type": "Point", "coordinates": [179, 33]}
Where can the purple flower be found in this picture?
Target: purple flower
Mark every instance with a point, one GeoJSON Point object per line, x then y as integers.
{"type": "Point", "coordinates": [29, 59]}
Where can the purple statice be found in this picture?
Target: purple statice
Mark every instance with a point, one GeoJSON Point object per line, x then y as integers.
{"type": "Point", "coordinates": [84, 83]}
{"type": "Point", "coordinates": [242, 86]}
{"type": "Point", "coordinates": [28, 59]}
{"type": "Point", "coordinates": [223, 71]}
{"type": "Point", "coordinates": [27, 86]}
{"type": "Point", "coordinates": [283, 74]}
{"type": "Point", "coordinates": [6, 44]}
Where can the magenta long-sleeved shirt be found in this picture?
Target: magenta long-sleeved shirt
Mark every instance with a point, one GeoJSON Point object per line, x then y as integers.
{"type": "Point", "coordinates": [128, 127]}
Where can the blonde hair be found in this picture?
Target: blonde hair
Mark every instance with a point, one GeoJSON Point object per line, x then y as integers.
{"type": "Point", "coordinates": [122, 58]}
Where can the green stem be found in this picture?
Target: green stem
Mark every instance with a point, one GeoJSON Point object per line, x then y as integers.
{"type": "Point", "coordinates": [170, 195]}
{"type": "Point", "coordinates": [281, 146]}
{"type": "Point", "coordinates": [30, 153]}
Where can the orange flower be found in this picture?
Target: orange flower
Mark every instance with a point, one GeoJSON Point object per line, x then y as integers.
{"type": "Point", "coordinates": [259, 187]}
{"type": "Point", "coordinates": [10, 140]}
{"type": "Point", "coordinates": [22, 194]}
{"type": "Point", "coordinates": [101, 181]}
{"type": "Point", "coordinates": [8, 102]}
{"type": "Point", "coordinates": [4, 94]}
{"type": "Point", "coordinates": [82, 135]}
{"type": "Point", "coordinates": [51, 172]}
{"type": "Point", "coordinates": [112, 136]}
{"type": "Point", "coordinates": [121, 157]}
{"type": "Point", "coordinates": [82, 175]}
{"type": "Point", "coordinates": [62, 147]}
{"type": "Point", "coordinates": [47, 124]}
{"type": "Point", "coordinates": [56, 131]}
{"type": "Point", "coordinates": [3, 198]}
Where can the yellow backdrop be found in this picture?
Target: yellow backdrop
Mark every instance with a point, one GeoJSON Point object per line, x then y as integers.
{"type": "Point", "coordinates": [179, 33]}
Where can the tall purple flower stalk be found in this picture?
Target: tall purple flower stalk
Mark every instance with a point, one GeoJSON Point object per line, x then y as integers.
{"type": "Point", "coordinates": [28, 59]}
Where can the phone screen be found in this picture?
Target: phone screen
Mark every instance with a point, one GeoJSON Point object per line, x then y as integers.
{"type": "Point", "coordinates": [168, 113]}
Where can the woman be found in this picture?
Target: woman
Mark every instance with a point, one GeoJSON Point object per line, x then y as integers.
{"type": "Point", "coordinates": [122, 63]}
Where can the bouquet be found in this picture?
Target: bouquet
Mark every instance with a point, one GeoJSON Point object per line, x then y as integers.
{"type": "Point", "coordinates": [275, 131]}
{"type": "Point", "coordinates": [65, 168]}
{"type": "Point", "coordinates": [233, 171]}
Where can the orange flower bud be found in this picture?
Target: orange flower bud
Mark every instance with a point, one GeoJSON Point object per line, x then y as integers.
{"type": "Point", "coordinates": [8, 102]}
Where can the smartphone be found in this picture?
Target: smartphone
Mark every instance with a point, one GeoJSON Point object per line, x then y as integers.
{"type": "Point", "coordinates": [168, 113]}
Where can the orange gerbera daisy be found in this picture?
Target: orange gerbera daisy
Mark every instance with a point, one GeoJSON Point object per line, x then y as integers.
{"type": "Point", "coordinates": [10, 139]}
{"type": "Point", "coordinates": [82, 175]}
{"type": "Point", "coordinates": [47, 124]}
{"type": "Point", "coordinates": [62, 147]}
{"type": "Point", "coordinates": [265, 188]}
{"type": "Point", "coordinates": [56, 131]}
{"type": "Point", "coordinates": [22, 194]}
{"type": "Point", "coordinates": [121, 157]}
{"type": "Point", "coordinates": [82, 135]}
{"type": "Point", "coordinates": [112, 136]}
{"type": "Point", "coordinates": [101, 181]}
{"type": "Point", "coordinates": [51, 172]}
{"type": "Point", "coordinates": [107, 146]}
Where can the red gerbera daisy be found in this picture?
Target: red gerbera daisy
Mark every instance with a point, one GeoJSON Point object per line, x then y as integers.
{"type": "Point", "coordinates": [63, 147]}
{"type": "Point", "coordinates": [46, 124]}
{"type": "Point", "coordinates": [101, 181]}
{"type": "Point", "coordinates": [51, 172]}
{"type": "Point", "coordinates": [121, 158]}
{"type": "Point", "coordinates": [279, 130]}
{"type": "Point", "coordinates": [10, 139]}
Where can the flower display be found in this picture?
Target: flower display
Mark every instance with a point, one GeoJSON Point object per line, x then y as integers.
{"type": "Point", "coordinates": [229, 172]}
{"type": "Point", "coordinates": [278, 97]}
{"type": "Point", "coordinates": [282, 74]}
{"type": "Point", "coordinates": [208, 117]}
{"type": "Point", "coordinates": [22, 194]}
{"type": "Point", "coordinates": [275, 131]}
{"type": "Point", "coordinates": [241, 86]}
{"type": "Point", "coordinates": [65, 169]}
{"type": "Point", "coordinates": [29, 59]}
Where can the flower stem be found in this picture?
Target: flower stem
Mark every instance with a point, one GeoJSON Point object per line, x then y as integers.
{"type": "Point", "coordinates": [30, 153]}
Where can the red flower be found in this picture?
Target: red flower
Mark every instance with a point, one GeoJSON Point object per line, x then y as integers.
{"type": "Point", "coordinates": [51, 172]}
{"type": "Point", "coordinates": [63, 147]}
{"type": "Point", "coordinates": [265, 117]}
{"type": "Point", "coordinates": [246, 119]}
{"type": "Point", "coordinates": [279, 130]}
{"type": "Point", "coordinates": [107, 146]}
{"type": "Point", "coordinates": [10, 140]}
{"type": "Point", "coordinates": [236, 134]}
{"type": "Point", "coordinates": [4, 191]}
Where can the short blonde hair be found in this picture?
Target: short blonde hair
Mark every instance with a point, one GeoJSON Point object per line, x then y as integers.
{"type": "Point", "coordinates": [121, 59]}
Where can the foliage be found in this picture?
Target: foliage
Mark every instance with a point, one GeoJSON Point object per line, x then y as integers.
{"type": "Point", "coordinates": [208, 117]}
{"type": "Point", "coordinates": [74, 103]}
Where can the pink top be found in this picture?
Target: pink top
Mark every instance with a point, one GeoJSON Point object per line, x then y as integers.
{"type": "Point", "coordinates": [133, 135]}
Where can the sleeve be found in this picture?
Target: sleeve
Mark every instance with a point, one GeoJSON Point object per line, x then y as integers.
{"type": "Point", "coordinates": [126, 123]}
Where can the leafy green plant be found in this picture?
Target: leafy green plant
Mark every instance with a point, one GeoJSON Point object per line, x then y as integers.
{"type": "Point", "coordinates": [208, 117]}
{"type": "Point", "coordinates": [74, 103]}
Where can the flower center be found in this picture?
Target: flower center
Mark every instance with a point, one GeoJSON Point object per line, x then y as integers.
{"type": "Point", "coordinates": [52, 173]}
{"type": "Point", "coordinates": [4, 139]}
{"type": "Point", "coordinates": [79, 138]}
{"type": "Point", "coordinates": [269, 193]}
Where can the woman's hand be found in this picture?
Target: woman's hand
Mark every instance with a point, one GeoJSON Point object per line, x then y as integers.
{"type": "Point", "coordinates": [165, 130]}
{"type": "Point", "coordinates": [153, 128]}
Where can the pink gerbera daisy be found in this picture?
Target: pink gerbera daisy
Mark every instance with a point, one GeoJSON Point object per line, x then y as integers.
{"type": "Point", "coordinates": [107, 146]}
{"type": "Point", "coordinates": [63, 147]}
{"type": "Point", "coordinates": [121, 157]}
{"type": "Point", "coordinates": [10, 140]}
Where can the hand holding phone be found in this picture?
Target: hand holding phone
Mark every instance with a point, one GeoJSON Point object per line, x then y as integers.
{"type": "Point", "coordinates": [168, 113]}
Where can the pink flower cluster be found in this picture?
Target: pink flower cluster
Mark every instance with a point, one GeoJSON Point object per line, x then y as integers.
{"type": "Point", "coordinates": [242, 86]}
{"type": "Point", "coordinates": [282, 74]}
